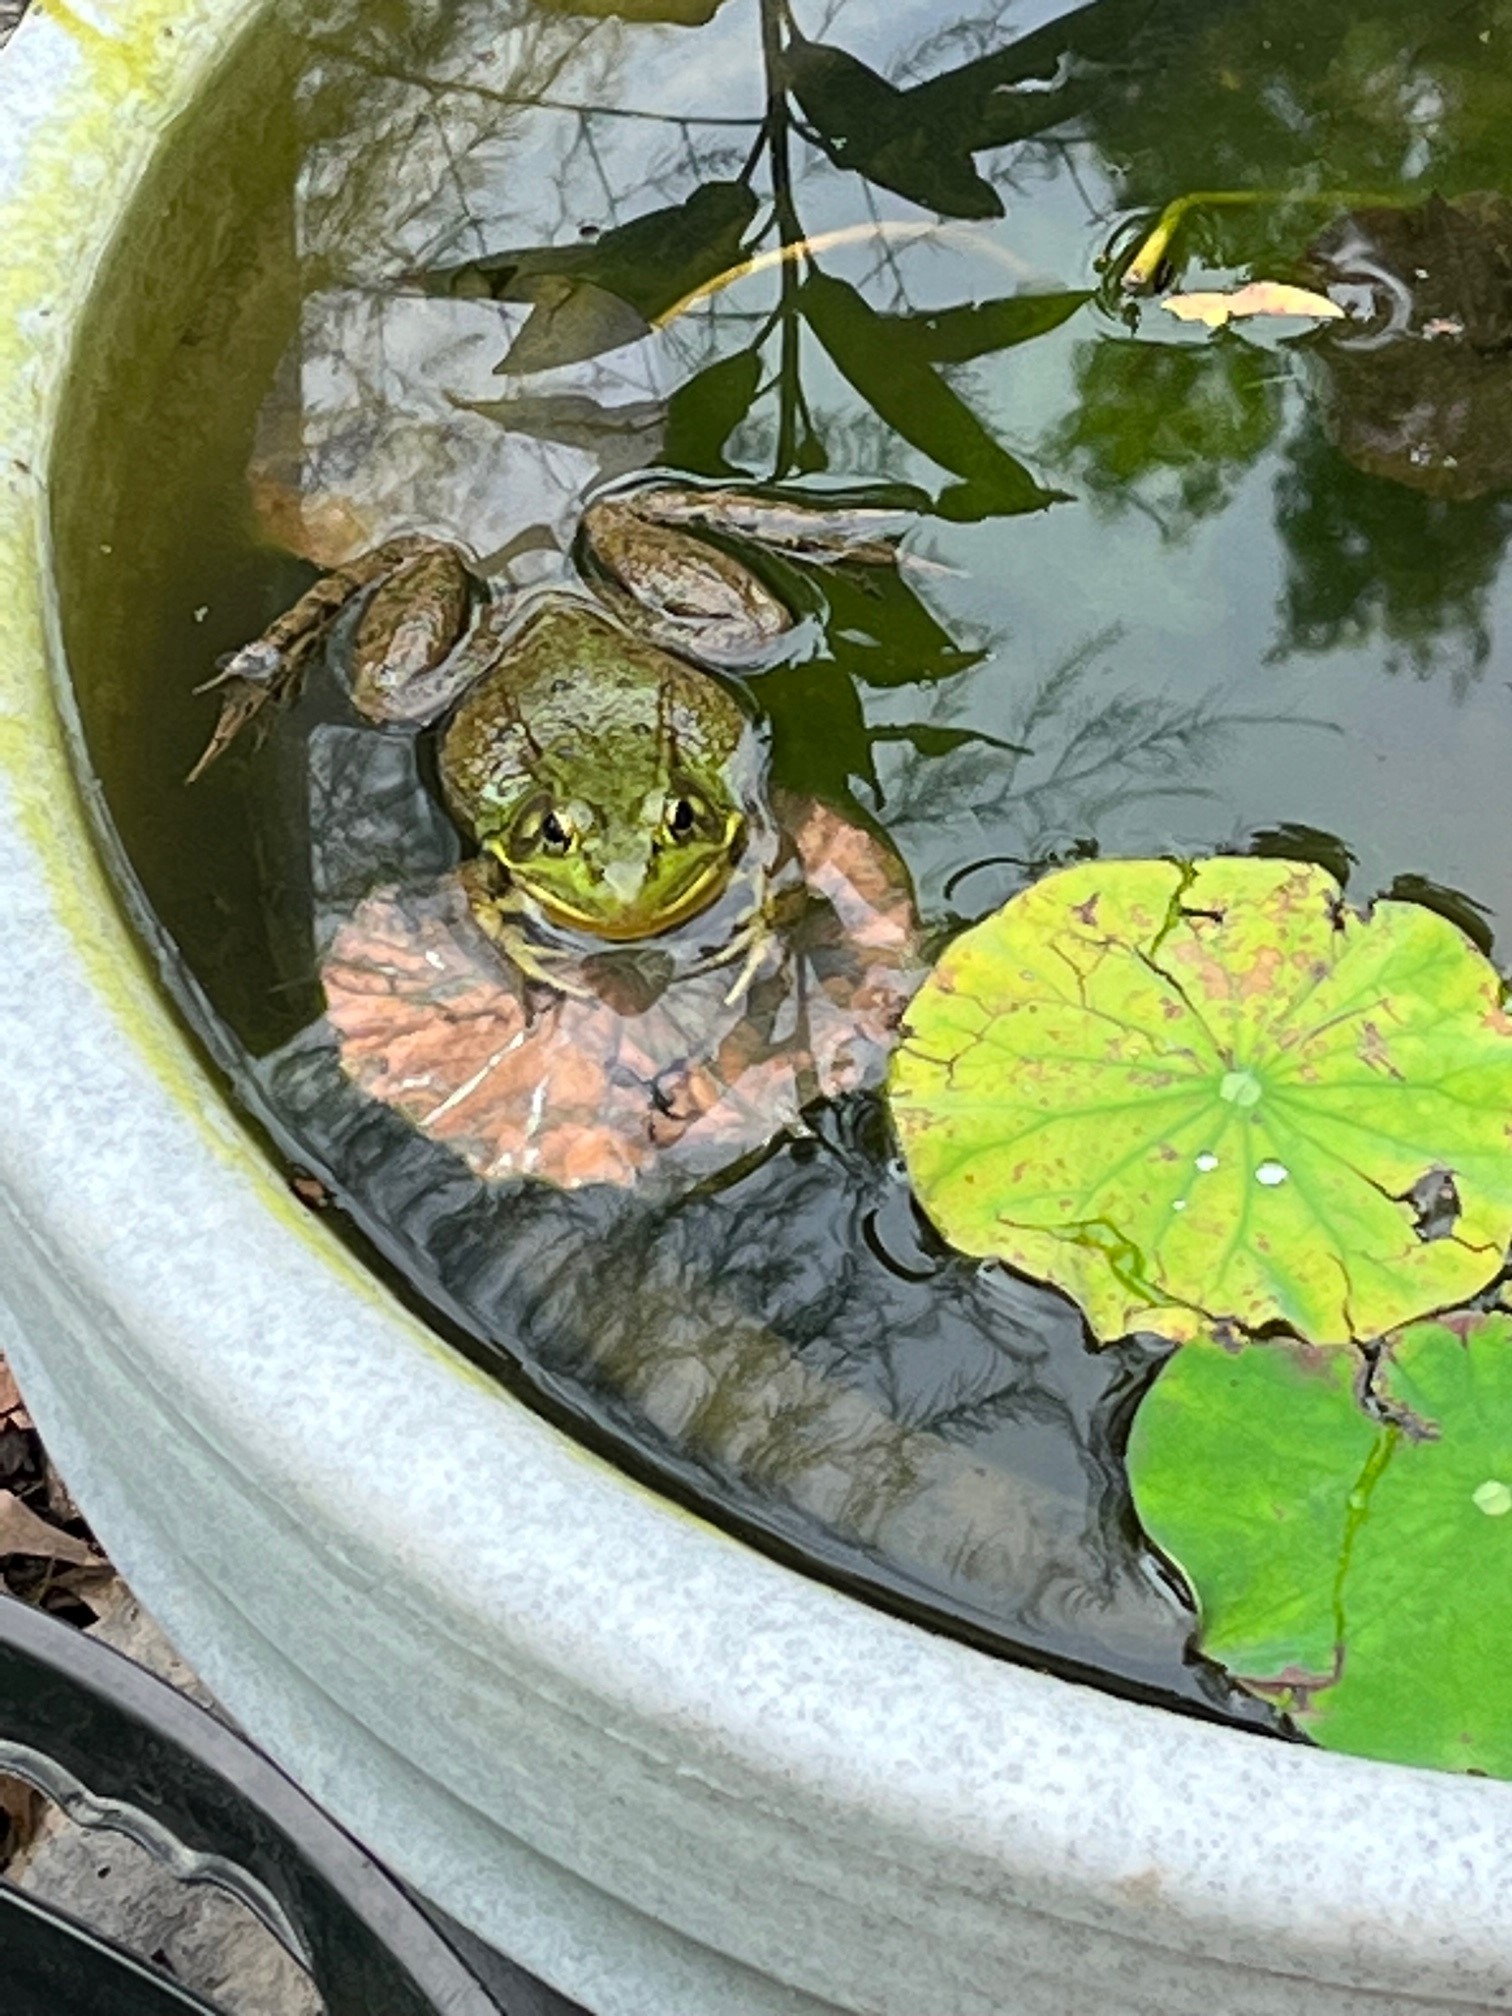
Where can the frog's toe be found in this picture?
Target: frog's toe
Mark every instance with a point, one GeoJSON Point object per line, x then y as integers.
{"type": "Point", "coordinates": [257, 664]}
{"type": "Point", "coordinates": [246, 681]}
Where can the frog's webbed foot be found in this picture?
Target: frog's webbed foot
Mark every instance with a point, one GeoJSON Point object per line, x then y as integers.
{"type": "Point", "coordinates": [246, 682]}
{"type": "Point", "coordinates": [495, 909]}
{"type": "Point", "coordinates": [750, 941]}
{"type": "Point", "coordinates": [272, 667]}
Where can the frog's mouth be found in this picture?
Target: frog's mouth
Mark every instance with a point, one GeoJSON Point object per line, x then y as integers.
{"type": "Point", "coordinates": [623, 927]}
{"type": "Point", "coordinates": [647, 906]}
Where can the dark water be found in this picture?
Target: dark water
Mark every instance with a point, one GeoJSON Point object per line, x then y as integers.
{"type": "Point", "coordinates": [1236, 628]}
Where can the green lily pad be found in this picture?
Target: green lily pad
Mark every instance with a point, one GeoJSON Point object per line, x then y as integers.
{"type": "Point", "coordinates": [1354, 1565]}
{"type": "Point", "coordinates": [1211, 1093]}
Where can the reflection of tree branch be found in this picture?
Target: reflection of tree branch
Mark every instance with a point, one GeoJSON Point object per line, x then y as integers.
{"type": "Point", "coordinates": [790, 232]}
{"type": "Point", "coordinates": [531, 101]}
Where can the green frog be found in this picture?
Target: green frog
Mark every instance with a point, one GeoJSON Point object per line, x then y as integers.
{"type": "Point", "coordinates": [594, 747]}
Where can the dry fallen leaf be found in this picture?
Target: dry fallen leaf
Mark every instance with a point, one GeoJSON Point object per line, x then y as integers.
{"type": "Point", "coordinates": [21, 1811]}
{"type": "Point", "coordinates": [22, 1532]}
{"type": "Point", "coordinates": [13, 1411]}
{"type": "Point", "coordinates": [1259, 297]}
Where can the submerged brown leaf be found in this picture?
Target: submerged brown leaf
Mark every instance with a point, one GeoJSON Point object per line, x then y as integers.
{"type": "Point", "coordinates": [650, 1068]}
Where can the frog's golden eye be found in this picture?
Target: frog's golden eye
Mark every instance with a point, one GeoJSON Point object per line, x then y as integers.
{"type": "Point", "coordinates": [685, 816]}
{"type": "Point", "coordinates": [556, 838]}
{"type": "Point", "coordinates": [542, 829]}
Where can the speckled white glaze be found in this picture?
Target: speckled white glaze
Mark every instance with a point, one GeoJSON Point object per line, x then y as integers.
{"type": "Point", "coordinates": [663, 1772]}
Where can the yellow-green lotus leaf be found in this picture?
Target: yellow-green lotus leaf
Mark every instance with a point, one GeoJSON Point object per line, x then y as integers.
{"type": "Point", "coordinates": [1212, 1092]}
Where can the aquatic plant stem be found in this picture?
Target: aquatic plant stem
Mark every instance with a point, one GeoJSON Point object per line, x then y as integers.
{"type": "Point", "coordinates": [1139, 275]}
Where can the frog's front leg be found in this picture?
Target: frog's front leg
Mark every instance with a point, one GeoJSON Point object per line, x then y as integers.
{"type": "Point", "coordinates": [750, 941]}
{"type": "Point", "coordinates": [420, 608]}
{"type": "Point", "coordinates": [496, 905]}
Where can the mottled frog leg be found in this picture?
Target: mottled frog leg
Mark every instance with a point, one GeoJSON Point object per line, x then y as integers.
{"type": "Point", "coordinates": [272, 667]}
{"type": "Point", "coordinates": [864, 534]}
{"type": "Point", "coordinates": [663, 573]}
{"type": "Point", "coordinates": [678, 589]}
{"type": "Point", "coordinates": [495, 905]}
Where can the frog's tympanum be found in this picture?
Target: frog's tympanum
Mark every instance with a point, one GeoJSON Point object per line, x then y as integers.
{"type": "Point", "coordinates": [613, 786]}
{"type": "Point", "coordinates": [1419, 380]}
{"type": "Point", "coordinates": [686, 963]}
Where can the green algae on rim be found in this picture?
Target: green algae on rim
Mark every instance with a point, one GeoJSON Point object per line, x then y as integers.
{"type": "Point", "coordinates": [1211, 1092]}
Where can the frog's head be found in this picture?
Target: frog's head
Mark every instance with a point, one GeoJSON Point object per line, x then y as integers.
{"type": "Point", "coordinates": [624, 866]}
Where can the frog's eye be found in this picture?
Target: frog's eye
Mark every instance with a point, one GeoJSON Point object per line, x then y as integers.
{"type": "Point", "coordinates": [685, 815]}
{"type": "Point", "coordinates": [542, 830]}
{"type": "Point", "coordinates": [555, 837]}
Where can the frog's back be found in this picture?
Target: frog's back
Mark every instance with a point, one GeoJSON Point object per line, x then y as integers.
{"type": "Point", "coordinates": [575, 697]}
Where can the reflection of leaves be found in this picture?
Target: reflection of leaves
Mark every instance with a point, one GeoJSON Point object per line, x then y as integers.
{"type": "Point", "coordinates": [882, 634]}
{"type": "Point", "coordinates": [1365, 556]}
{"type": "Point", "coordinates": [1182, 421]}
{"type": "Point", "coordinates": [682, 13]}
{"type": "Point", "coordinates": [821, 745]}
{"type": "Point", "coordinates": [1350, 1566]}
{"type": "Point", "coordinates": [569, 321]}
{"type": "Point", "coordinates": [918, 405]}
{"type": "Point", "coordinates": [623, 437]}
{"type": "Point", "coordinates": [863, 122]}
{"type": "Point", "coordinates": [981, 104]}
{"type": "Point", "coordinates": [1207, 1094]}
{"type": "Point", "coordinates": [879, 634]}
{"type": "Point", "coordinates": [977, 329]}
{"type": "Point", "coordinates": [706, 409]}
{"type": "Point", "coordinates": [592, 296]}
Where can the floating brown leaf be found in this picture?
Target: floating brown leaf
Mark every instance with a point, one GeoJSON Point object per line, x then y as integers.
{"type": "Point", "coordinates": [1259, 297]}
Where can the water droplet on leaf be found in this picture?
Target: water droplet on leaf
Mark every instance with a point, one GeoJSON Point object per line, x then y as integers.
{"type": "Point", "coordinates": [1241, 1089]}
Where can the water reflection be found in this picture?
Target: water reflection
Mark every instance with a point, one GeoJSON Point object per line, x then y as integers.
{"type": "Point", "coordinates": [788, 1344]}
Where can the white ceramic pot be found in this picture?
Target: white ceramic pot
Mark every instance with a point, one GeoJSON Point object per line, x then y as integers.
{"type": "Point", "coordinates": [662, 1772]}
